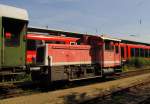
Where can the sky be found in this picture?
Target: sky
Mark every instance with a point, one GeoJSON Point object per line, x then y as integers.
{"type": "Point", "coordinates": [126, 17]}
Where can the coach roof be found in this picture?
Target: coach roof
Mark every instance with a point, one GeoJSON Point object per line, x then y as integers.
{"type": "Point", "coordinates": [132, 38]}
{"type": "Point", "coordinates": [13, 12]}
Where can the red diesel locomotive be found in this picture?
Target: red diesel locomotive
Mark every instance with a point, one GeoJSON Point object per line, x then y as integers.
{"type": "Point", "coordinates": [68, 58]}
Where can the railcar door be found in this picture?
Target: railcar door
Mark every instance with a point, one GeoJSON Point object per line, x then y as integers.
{"type": "Point", "coordinates": [0, 42]}
{"type": "Point", "coordinates": [13, 45]}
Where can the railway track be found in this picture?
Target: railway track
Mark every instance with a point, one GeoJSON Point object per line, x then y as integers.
{"type": "Point", "coordinates": [134, 72]}
{"type": "Point", "coordinates": [138, 94]}
{"type": "Point", "coordinates": [9, 90]}
{"type": "Point", "coordinates": [145, 101]}
{"type": "Point", "coordinates": [81, 94]}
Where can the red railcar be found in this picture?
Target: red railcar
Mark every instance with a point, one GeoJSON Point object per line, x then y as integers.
{"type": "Point", "coordinates": [129, 50]}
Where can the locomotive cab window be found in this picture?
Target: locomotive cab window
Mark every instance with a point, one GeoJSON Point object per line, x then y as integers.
{"type": "Point", "coordinates": [12, 30]}
{"type": "Point", "coordinates": [122, 52]}
{"type": "Point", "coordinates": [108, 45]}
{"type": "Point", "coordinates": [116, 49]}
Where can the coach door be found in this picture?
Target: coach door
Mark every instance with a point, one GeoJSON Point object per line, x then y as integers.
{"type": "Point", "coordinates": [13, 46]}
{"type": "Point", "coordinates": [0, 42]}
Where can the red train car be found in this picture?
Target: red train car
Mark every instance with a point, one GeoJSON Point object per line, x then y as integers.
{"type": "Point", "coordinates": [129, 50]}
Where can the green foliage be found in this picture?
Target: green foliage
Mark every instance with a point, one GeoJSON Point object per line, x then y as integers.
{"type": "Point", "coordinates": [125, 68]}
{"type": "Point", "coordinates": [24, 77]}
{"type": "Point", "coordinates": [138, 62]}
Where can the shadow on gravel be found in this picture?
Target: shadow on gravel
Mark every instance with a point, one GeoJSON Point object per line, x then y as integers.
{"type": "Point", "coordinates": [64, 85]}
{"type": "Point", "coordinates": [26, 88]}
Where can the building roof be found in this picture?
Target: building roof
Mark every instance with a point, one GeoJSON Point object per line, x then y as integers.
{"type": "Point", "coordinates": [132, 38]}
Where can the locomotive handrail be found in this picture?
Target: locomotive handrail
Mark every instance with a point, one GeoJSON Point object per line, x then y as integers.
{"type": "Point", "coordinates": [3, 53]}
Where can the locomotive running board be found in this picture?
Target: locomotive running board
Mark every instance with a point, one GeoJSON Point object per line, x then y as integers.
{"type": "Point", "coordinates": [34, 68]}
{"type": "Point", "coordinates": [85, 78]}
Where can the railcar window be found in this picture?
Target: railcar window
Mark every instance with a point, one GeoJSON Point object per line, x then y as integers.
{"type": "Point", "coordinates": [31, 44]}
{"type": "Point", "coordinates": [146, 52]}
{"type": "Point", "coordinates": [39, 42]}
{"type": "Point", "coordinates": [149, 52]}
{"type": "Point", "coordinates": [14, 28]}
{"type": "Point", "coordinates": [141, 52]}
{"type": "Point", "coordinates": [132, 52]}
{"type": "Point", "coordinates": [122, 52]}
{"type": "Point", "coordinates": [55, 42]}
{"type": "Point", "coordinates": [116, 49]}
{"type": "Point", "coordinates": [49, 42]}
{"type": "Point", "coordinates": [137, 53]}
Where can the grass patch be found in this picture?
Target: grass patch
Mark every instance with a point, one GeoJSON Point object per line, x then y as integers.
{"type": "Point", "coordinates": [135, 63]}
{"type": "Point", "coordinates": [138, 62]}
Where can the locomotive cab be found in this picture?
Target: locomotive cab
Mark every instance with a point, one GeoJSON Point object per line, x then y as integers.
{"type": "Point", "coordinates": [13, 27]}
{"type": "Point", "coordinates": [111, 55]}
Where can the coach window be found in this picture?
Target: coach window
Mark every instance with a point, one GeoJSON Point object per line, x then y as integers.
{"type": "Point", "coordinates": [122, 52]}
{"type": "Point", "coordinates": [60, 42]}
{"type": "Point", "coordinates": [39, 42]}
{"type": "Point", "coordinates": [146, 52]}
{"type": "Point", "coordinates": [132, 52]}
{"type": "Point", "coordinates": [141, 52]}
{"type": "Point", "coordinates": [12, 31]}
{"type": "Point", "coordinates": [54, 42]}
{"type": "Point", "coordinates": [149, 53]}
{"type": "Point", "coordinates": [49, 42]}
{"type": "Point", "coordinates": [116, 49]}
{"type": "Point", "coordinates": [137, 52]}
